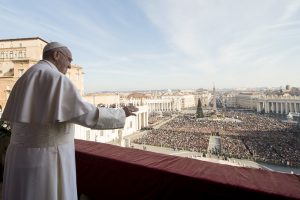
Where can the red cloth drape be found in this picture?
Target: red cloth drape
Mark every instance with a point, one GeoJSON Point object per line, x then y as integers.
{"type": "Point", "coordinates": [109, 172]}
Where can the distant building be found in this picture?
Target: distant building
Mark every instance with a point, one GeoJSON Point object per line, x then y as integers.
{"type": "Point", "coordinates": [18, 55]}
{"type": "Point", "coordinates": [204, 96]}
{"type": "Point", "coordinates": [163, 102]}
{"type": "Point", "coordinates": [279, 104]}
{"type": "Point", "coordinates": [103, 99]}
{"type": "Point", "coordinates": [137, 95]}
{"type": "Point", "coordinates": [186, 100]}
{"type": "Point", "coordinates": [132, 124]}
{"type": "Point", "coordinates": [245, 100]}
{"type": "Point", "coordinates": [230, 100]}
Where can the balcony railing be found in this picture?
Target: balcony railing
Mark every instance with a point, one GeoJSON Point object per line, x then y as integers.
{"type": "Point", "coordinates": [110, 172]}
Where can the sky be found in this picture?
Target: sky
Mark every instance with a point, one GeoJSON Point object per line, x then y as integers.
{"type": "Point", "coordinates": [167, 44]}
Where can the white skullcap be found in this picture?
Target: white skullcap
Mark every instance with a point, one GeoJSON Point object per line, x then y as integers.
{"type": "Point", "coordinates": [53, 45]}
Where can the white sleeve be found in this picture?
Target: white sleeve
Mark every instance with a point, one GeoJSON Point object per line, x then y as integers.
{"type": "Point", "coordinates": [102, 118]}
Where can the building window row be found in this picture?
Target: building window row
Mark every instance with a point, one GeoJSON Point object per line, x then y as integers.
{"type": "Point", "coordinates": [11, 45]}
{"type": "Point", "coordinates": [12, 54]}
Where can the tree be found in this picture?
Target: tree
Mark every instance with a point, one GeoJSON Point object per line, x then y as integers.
{"type": "Point", "coordinates": [199, 113]}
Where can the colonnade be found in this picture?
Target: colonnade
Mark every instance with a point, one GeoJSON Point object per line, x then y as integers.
{"type": "Point", "coordinates": [161, 106]}
{"type": "Point", "coordinates": [156, 105]}
{"type": "Point", "coordinates": [281, 106]}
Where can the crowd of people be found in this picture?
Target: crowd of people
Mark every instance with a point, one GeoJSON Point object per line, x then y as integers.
{"type": "Point", "coordinates": [250, 136]}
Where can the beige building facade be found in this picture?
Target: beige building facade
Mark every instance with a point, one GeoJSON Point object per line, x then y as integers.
{"type": "Point", "coordinates": [18, 55]}
{"type": "Point", "coordinates": [246, 100]}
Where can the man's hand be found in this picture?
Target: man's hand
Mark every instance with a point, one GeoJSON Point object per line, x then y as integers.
{"type": "Point", "coordinates": [129, 110]}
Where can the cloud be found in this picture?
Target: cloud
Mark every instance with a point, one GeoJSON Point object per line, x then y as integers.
{"type": "Point", "coordinates": [232, 38]}
{"type": "Point", "coordinates": [292, 10]}
{"type": "Point", "coordinates": [233, 42]}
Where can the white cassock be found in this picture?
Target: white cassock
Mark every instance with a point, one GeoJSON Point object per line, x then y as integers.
{"type": "Point", "coordinates": [40, 159]}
